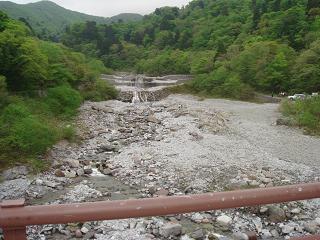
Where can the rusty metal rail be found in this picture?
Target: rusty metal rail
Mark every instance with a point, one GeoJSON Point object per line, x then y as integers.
{"type": "Point", "coordinates": [14, 216]}
{"type": "Point", "coordinates": [313, 237]}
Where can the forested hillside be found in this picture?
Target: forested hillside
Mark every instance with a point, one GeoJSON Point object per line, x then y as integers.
{"type": "Point", "coordinates": [48, 20]}
{"type": "Point", "coordinates": [231, 46]}
{"type": "Point", "coordinates": [42, 84]}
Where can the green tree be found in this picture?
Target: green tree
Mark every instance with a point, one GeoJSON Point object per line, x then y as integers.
{"type": "Point", "coordinates": [3, 91]}
{"type": "Point", "coordinates": [164, 38]}
{"type": "Point", "coordinates": [306, 70]}
{"type": "Point", "coordinates": [277, 74]}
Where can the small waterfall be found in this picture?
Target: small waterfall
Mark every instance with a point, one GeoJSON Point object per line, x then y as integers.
{"type": "Point", "coordinates": [139, 93]}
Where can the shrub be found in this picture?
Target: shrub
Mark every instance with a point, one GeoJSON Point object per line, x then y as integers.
{"type": "Point", "coordinates": [220, 83]}
{"type": "Point", "coordinates": [14, 112]}
{"type": "Point", "coordinates": [68, 132]}
{"type": "Point", "coordinates": [30, 135]}
{"type": "Point", "coordinates": [23, 135]}
{"type": "Point", "coordinates": [305, 113]}
{"type": "Point", "coordinates": [63, 101]}
{"type": "Point", "coordinates": [234, 88]}
{"type": "Point", "coordinates": [99, 91]}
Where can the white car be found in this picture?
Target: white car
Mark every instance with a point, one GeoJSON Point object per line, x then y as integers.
{"type": "Point", "coordinates": [297, 97]}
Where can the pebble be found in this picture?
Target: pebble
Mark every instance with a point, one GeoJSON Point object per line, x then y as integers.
{"type": "Point", "coordinates": [162, 192]}
{"type": "Point", "coordinates": [224, 220]}
{"type": "Point", "coordinates": [59, 173]}
{"type": "Point", "coordinates": [276, 214]}
{"type": "Point", "coordinates": [286, 229]}
{"type": "Point", "coordinates": [296, 210]}
{"type": "Point", "coordinates": [240, 236]}
{"type": "Point", "coordinates": [84, 230]}
{"type": "Point", "coordinates": [78, 233]}
{"type": "Point", "coordinates": [171, 229]}
{"type": "Point", "coordinates": [198, 234]}
{"type": "Point", "coordinates": [264, 210]}
{"type": "Point", "coordinates": [70, 174]}
{"type": "Point", "coordinates": [311, 227]}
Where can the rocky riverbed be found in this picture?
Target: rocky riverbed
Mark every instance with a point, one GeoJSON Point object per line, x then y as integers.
{"type": "Point", "coordinates": [179, 145]}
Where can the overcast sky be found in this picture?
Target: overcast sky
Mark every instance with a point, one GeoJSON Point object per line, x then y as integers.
{"type": "Point", "coordinates": [108, 8]}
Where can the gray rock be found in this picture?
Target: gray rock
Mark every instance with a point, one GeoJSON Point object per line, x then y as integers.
{"type": "Point", "coordinates": [59, 173]}
{"type": "Point", "coordinates": [107, 171]}
{"type": "Point", "coordinates": [84, 230]}
{"type": "Point", "coordinates": [153, 119]}
{"type": "Point", "coordinates": [80, 172]}
{"type": "Point", "coordinates": [311, 227]}
{"type": "Point", "coordinates": [224, 220]}
{"type": "Point", "coordinates": [276, 214]}
{"type": "Point", "coordinates": [196, 136]}
{"type": "Point", "coordinates": [88, 170]}
{"type": "Point", "coordinates": [254, 183]}
{"type": "Point", "coordinates": [186, 237]}
{"type": "Point", "coordinates": [237, 184]}
{"type": "Point", "coordinates": [170, 229]}
{"type": "Point", "coordinates": [73, 163]}
{"type": "Point", "coordinates": [152, 190]}
{"type": "Point", "coordinates": [274, 233]}
{"type": "Point", "coordinates": [162, 192]}
{"type": "Point", "coordinates": [89, 235]}
{"type": "Point", "coordinates": [266, 180]}
{"type": "Point", "coordinates": [286, 229]}
{"type": "Point", "coordinates": [198, 234]}
{"type": "Point", "coordinates": [15, 173]}
{"type": "Point", "coordinates": [265, 234]}
{"type": "Point", "coordinates": [108, 148]}
{"type": "Point", "coordinates": [264, 210]}
{"type": "Point", "coordinates": [296, 210]}
{"type": "Point", "coordinates": [78, 233]}
{"type": "Point", "coordinates": [36, 191]}
{"type": "Point", "coordinates": [240, 236]}
{"type": "Point", "coordinates": [197, 217]}
{"type": "Point", "coordinates": [258, 224]}
{"type": "Point", "coordinates": [283, 121]}
{"type": "Point", "coordinates": [70, 174]}
{"type": "Point", "coordinates": [51, 184]}
{"type": "Point", "coordinates": [14, 189]}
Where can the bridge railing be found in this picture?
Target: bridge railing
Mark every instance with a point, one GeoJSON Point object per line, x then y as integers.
{"type": "Point", "coordinates": [15, 216]}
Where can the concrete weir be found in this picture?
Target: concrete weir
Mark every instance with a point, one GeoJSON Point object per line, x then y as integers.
{"type": "Point", "coordinates": [141, 88]}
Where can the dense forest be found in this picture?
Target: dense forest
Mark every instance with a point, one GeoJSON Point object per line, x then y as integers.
{"type": "Point", "coordinates": [42, 84]}
{"type": "Point", "coordinates": [233, 47]}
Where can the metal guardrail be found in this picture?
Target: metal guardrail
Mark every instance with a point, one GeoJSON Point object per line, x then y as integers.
{"type": "Point", "coordinates": [14, 216]}
{"type": "Point", "coordinates": [313, 237]}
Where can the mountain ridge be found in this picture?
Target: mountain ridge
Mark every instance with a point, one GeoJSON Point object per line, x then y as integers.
{"type": "Point", "coordinates": [49, 19]}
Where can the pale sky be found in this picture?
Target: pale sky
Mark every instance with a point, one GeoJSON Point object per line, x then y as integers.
{"type": "Point", "coordinates": [108, 8]}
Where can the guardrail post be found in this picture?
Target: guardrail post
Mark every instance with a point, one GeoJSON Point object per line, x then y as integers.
{"type": "Point", "coordinates": [16, 233]}
{"type": "Point", "coordinates": [310, 237]}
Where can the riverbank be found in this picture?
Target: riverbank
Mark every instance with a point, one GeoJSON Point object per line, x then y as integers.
{"type": "Point", "coordinates": [178, 145]}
